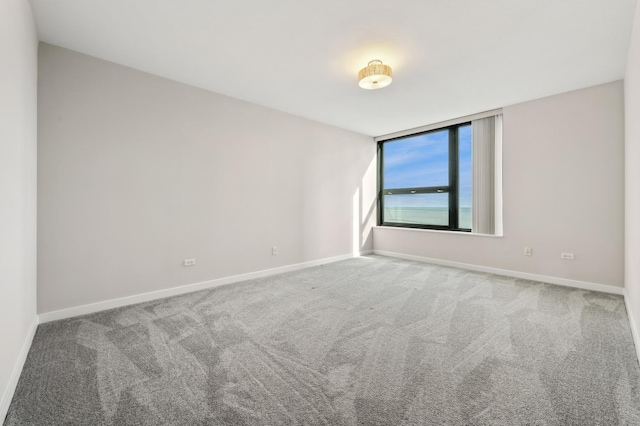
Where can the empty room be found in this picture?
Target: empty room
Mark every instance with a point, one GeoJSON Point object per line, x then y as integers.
{"type": "Point", "coordinates": [319, 213]}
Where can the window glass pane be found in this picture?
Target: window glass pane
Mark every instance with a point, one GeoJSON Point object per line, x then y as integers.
{"type": "Point", "coordinates": [465, 179]}
{"type": "Point", "coordinates": [417, 161]}
{"type": "Point", "coordinates": [423, 209]}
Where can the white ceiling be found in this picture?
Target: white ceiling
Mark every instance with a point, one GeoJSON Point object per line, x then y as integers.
{"type": "Point", "coordinates": [450, 57]}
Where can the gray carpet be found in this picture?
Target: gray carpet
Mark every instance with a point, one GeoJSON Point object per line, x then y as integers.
{"type": "Point", "coordinates": [372, 340]}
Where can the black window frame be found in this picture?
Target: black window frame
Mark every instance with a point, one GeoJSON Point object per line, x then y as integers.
{"type": "Point", "coordinates": [452, 189]}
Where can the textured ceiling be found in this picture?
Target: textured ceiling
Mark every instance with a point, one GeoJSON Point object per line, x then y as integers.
{"type": "Point", "coordinates": [450, 58]}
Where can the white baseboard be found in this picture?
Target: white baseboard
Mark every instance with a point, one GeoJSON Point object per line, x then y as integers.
{"type": "Point", "coordinates": [189, 288]}
{"type": "Point", "coordinates": [523, 275]}
{"type": "Point", "coordinates": [17, 370]}
{"type": "Point", "coordinates": [633, 325]}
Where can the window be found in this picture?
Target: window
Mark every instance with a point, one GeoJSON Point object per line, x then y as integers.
{"type": "Point", "coordinates": [425, 179]}
{"type": "Point", "coordinates": [447, 178]}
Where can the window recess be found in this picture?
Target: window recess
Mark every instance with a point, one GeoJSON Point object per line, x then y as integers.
{"type": "Point", "coordinates": [444, 178]}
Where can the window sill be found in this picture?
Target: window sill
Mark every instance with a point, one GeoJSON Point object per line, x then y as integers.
{"type": "Point", "coordinates": [468, 234]}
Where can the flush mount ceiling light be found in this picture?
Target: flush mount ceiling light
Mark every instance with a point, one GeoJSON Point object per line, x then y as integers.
{"type": "Point", "coordinates": [374, 76]}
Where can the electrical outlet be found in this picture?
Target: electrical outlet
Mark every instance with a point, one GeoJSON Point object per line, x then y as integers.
{"type": "Point", "coordinates": [567, 256]}
{"type": "Point", "coordinates": [274, 251]}
{"type": "Point", "coordinates": [528, 251]}
{"type": "Point", "coordinates": [189, 262]}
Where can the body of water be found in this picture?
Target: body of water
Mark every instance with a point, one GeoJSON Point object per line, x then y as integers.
{"type": "Point", "coordinates": [427, 216]}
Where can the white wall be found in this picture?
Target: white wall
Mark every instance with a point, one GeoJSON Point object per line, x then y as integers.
{"type": "Point", "coordinates": [563, 164]}
{"type": "Point", "coordinates": [18, 137]}
{"type": "Point", "coordinates": [137, 173]}
{"type": "Point", "coordinates": [632, 175]}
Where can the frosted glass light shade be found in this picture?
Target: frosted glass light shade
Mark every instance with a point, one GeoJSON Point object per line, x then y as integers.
{"type": "Point", "coordinates": [376, 75]}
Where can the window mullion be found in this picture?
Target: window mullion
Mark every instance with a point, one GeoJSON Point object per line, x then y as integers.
{"type": "Point", "coordinates": [417, 190]}
{"type": "Point", "coordinates": [380, 165]}
{"type": "Point", "coordinates": [453, 177]}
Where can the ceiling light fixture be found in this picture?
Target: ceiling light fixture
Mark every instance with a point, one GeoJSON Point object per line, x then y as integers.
{"type": "Point", "coordinates": [374, 76]}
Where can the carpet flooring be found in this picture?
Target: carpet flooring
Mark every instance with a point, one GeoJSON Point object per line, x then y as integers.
{"type": "Point", "coordinates": [365, 341]}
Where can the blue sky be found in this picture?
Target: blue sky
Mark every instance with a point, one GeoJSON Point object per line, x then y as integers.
{"type": "Point", "coordinates": [423, 160]}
